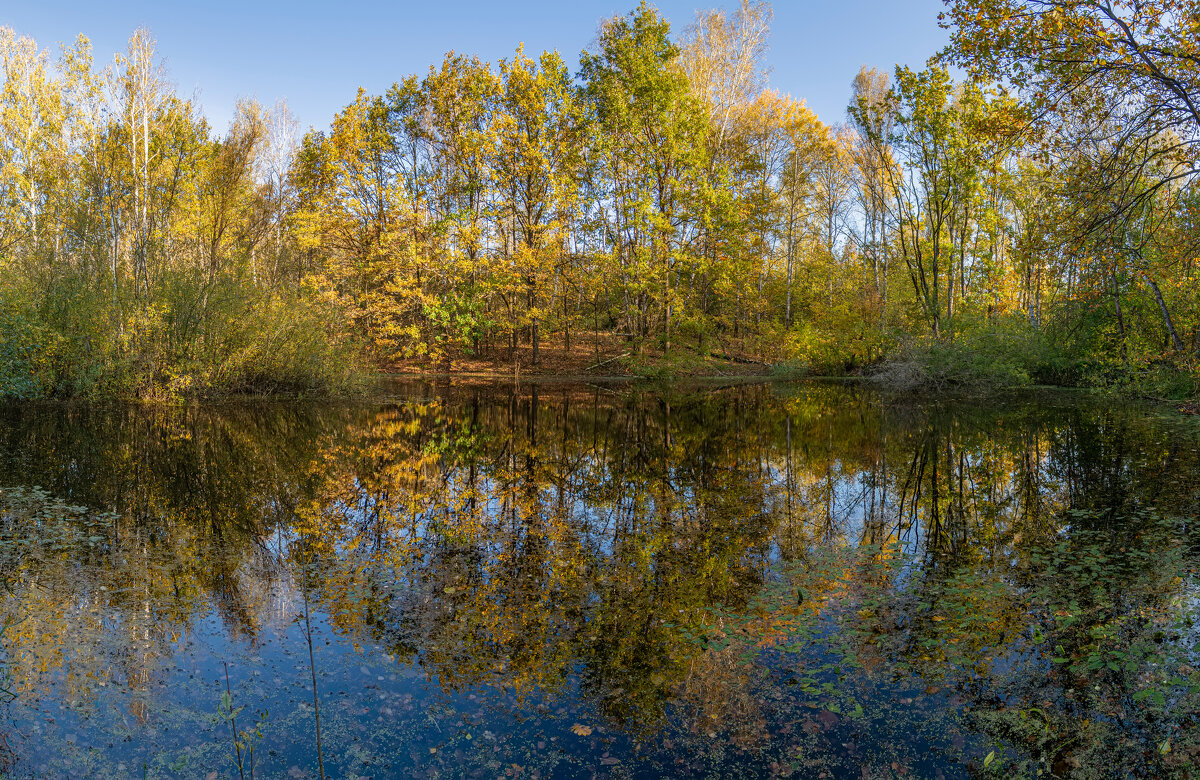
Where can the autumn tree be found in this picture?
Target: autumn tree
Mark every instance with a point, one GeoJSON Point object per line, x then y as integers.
{"type": "Point", "coordinates": [537, 180]}
{"type": "Point", "coordinates": [646, 150]}
{"type": "Point", "coordinates": [1133, 61]}
{"type": "Point", "coordinates": [872, 117]}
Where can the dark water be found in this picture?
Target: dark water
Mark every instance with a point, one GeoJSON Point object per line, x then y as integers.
{"type": "Point", "coordinates": [578, 581]}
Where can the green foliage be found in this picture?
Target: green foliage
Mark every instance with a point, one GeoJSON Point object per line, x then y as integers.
{"type": "Point", "coordinates": [190, 337]}
{"type": "Point", "coordinates": [456, 324]}
{"type": "Point", "coordinates": [245, 741]}
{"type": "Point", "coordinates": [936, 367]}
{"type": "Point", "coordinates": [663, 192]}
{"type": "Point", "coordinates": [674, 364]}
{"type": "Point", "coordinates": [829, 351]}
{"type": "Point", "coordinates": [27, 347]}
{"type": "Point", "coordinates": [985, 355]}
{"type": "Point", "coordinates": [789, 369]}
{"type": "Point", "coordinates": [1164, 378]}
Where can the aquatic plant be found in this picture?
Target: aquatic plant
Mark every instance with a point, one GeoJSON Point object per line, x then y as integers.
{"type": "Point", "coordinates": [1062, 655]}
{"type": "Point", "coordinates": [6, 692]}
{"type": "Point", "coordinates": [6, 623]}
{"type": "Point", "coordinates": [244, 741]}
{"type": "Point", "coordinates": [312, 668]}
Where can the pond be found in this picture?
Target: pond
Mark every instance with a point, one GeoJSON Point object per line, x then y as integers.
{"type": "Point", "coordinates": [571, 580]}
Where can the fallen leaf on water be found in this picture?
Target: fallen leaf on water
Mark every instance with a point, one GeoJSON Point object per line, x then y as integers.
{"type": "Point", "coordinates": [581, 729]}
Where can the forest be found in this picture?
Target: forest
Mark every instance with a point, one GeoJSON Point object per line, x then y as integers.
{"type": "Point", "coordinates": [1020, 211]}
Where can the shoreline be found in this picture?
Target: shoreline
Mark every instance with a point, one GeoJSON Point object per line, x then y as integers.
{"type": "Point", "coordinates": [376, 385]}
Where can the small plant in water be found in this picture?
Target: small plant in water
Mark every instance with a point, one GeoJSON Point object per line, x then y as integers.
{"type": "Point", "coordinates": [6, 692]}
{"type": "Point", "coordinates": [244, 741]}
{"type": "Point", "coordinates": [7, 757]}
{"type": "Point", "coordinates": [312, 668]}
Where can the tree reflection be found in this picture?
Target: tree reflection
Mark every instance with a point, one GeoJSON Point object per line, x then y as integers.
{"type": "Point", "coordinates": [610, 544]}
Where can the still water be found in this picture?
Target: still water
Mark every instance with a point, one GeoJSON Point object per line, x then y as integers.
{"type": "Point", "coordinates": [566, 580]}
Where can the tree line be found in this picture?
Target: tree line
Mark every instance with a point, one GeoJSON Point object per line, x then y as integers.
{"type": "Point", "coordinates": [1032, 221]}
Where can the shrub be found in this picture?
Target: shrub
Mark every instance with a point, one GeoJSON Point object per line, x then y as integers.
{"type": "Point", "coordinates": [982, 356]}
{"type": "Point", "coordinates": [26, 349]}
{"type": "Point", "coordinates": [189, 336]}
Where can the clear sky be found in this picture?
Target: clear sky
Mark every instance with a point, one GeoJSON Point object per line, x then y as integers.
{"type": "Point", "coordinates": [317, 54]}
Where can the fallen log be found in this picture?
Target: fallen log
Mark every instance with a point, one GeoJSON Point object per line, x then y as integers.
{"type": "Point", "coordinates": [606, 362]}
{"type": "Point", "coordinates": [746, 361]}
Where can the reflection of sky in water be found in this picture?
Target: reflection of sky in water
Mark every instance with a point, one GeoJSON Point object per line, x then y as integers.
{"type": "Point", "coordinates": [550, 624]}
{"type": "Point", "coordinates": [1186, 612]}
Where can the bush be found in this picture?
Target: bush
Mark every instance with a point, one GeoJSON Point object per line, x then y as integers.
{"type": "Point", "coordinates": [276, 342]}
{"type": "Point", "coordinates": [26, 349]}
{"type": "Point", "coordinates": [1173, 378]}
{"type": "Point", "coordinates": [983, 356]}
{"type": "Point", "coordinates": [789, 369]}
{"type": "Point", "coordinates": [189, 336]}
{"type": "Point", "coordinates": [836, 349]}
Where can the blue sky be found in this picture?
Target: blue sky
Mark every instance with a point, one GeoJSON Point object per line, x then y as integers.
{"type": "Point", "coordinates": [317, 54]}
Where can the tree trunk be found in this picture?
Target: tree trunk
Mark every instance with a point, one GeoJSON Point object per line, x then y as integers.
{"type": "Point", "coordinates": [1166, 314]}
{"type": "Point", "coordinates": [1116, 289]}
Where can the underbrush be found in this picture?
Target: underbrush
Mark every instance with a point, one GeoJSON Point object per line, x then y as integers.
{"type": "Point", "coordinates": [1172, 378]}
{"type": "Point", "coordinates": [988, 359]}
{"type": "Point", "coordinates": [187, 337]}
{"type": "Point", "coordinates": [830, 351]}
{"type": "Point", "coordinates": [982, 358]}
{"type": "Point", "coordinates": [679, 362]}
{"type": "Point", "coordinates": [938, 367]}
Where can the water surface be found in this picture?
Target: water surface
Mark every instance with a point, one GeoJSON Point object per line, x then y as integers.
{"type": "Point", "coordinates": [571, 580]}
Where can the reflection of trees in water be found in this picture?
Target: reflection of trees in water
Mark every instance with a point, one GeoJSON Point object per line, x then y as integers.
{"type": "Point", "coordinates": [519, 538]}
{"type": "Point", "coordinates": [189, 495]}
{"type": "Point", "coordinates": [536, 532]}
{"type": "Point", "coordinates": [549, 532]}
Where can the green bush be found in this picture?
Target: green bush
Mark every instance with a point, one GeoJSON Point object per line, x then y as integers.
{"type": "Point", "coordinates": [845, 346]}
{"type": "Point", "coordinates": [789, 369]}
{"type": "Point", "coordinates": [26, 349]}
{"type": "Point", "coordinates": [981, 356]}
{"type": "Point", "coordinates": [188, 336]}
